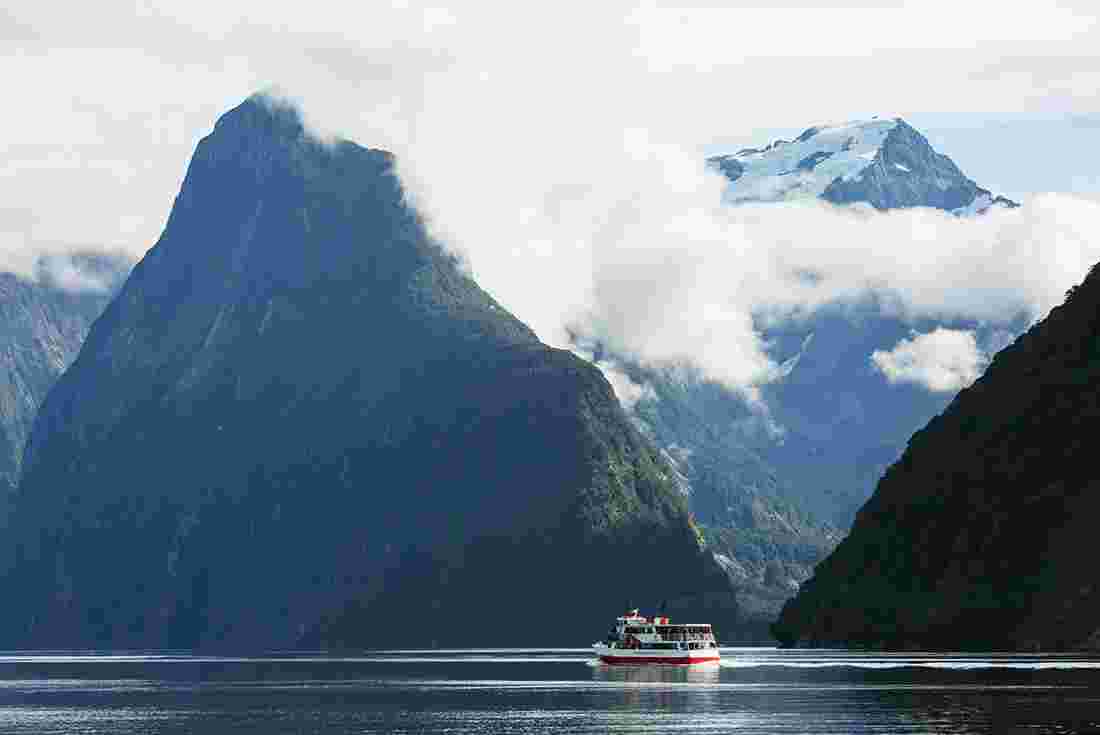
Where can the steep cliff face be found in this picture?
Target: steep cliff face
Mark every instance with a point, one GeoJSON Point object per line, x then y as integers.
{"type": "Point", "coordinates": [300, 420]}
{"type": "Point", "coordinates": [43, 322]}
{"type": "Point", "coordinates": [980, 535]}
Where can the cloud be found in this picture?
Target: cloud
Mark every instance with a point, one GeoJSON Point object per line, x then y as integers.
{"type": "Point", "coordinates": [943, 360]}
{"type": "Point", "coordinates": [559, 148]}
{"type": "Point", "coordinates": [69, 274]}
{"type": "Point", "coordinates": [626, 390]}
{"type": "Point", "coordinates": [64, 265]}
{"type": "Point", "coordinates": [923, 262]}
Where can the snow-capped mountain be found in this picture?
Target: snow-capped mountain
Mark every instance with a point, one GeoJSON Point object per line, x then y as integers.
{"type": "Point", "coordinates": [884, 162]}
{"type": "Point", "coordinates": [773, 492]}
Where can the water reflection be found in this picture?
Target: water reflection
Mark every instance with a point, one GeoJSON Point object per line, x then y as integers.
{"type": "Point", "coordinates": [708, 673]}
{"type": "Point", "coordinates": [656, 686]}
{"type": "Point", "coordinates": [545, 692]}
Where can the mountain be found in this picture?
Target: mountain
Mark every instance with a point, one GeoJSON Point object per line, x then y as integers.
{"type": "Point", "coordinates": [776, 487]}
{"type": "Point", "coordinates": [979, 536]}
{"type": "Point", "coordinates": [301, 421]}
{"type": "Point", "coordinates": [882, 162]}
{"type": "Point", "coordinates": [845, 419]}
{"type": "Point", "coordinates": [43, 322]}
{"type": "Point", "coordinates": [842, 420]}
{"type": "Point", "coordinates": [754, 521]}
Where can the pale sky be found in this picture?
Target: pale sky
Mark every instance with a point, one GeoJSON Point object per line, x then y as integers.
{"type": "Point", "coordinates": [558, 145]}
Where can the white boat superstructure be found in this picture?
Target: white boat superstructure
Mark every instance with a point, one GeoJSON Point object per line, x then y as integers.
{"type": "Point", "coordinates": [636, 639]}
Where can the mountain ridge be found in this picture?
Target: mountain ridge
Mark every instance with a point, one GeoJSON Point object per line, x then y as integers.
{"type": "Point", "coordinates": [883, 162]}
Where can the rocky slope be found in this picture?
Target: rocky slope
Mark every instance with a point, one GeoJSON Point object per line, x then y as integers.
{"type": "Point", "coordinates": [43, 322]}
{"type": "Point", "coordinates": [299, 420]}
{"type": "Point", "coordinates": [979, 536]}
{"type": "Point", "coordinates": [754, 519]}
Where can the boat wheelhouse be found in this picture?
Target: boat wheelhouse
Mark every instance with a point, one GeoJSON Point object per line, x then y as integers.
{"type": "Point", "coordinates": [636, 639]}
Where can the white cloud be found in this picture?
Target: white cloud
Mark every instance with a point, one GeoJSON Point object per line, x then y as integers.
{"type": "Point", "coordinates": [626, 390]}
{"type": "Point", "coordinates": [924, 262]}
{"type": "Point", "coordinates": [63, 272]}
{"type": "Point", "coordinates": [943, 360]}
{"type": "Point", "coordinates": [558, 147]}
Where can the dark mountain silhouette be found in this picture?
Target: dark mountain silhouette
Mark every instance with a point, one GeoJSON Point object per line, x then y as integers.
{"type": "Point", "coordinates": [980, 535]}
{"type": "Point", "coordinates": [300, 421]}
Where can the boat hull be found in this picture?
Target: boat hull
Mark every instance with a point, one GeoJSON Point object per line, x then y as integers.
{"type": "Point", "coordinates": [618, 656]}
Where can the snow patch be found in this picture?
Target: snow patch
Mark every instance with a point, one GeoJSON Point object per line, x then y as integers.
{"type": "Point", "coordinates": [773, 174]}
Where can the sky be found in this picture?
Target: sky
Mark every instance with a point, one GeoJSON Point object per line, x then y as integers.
{"type": "Point", "coordinates": [558, 148]}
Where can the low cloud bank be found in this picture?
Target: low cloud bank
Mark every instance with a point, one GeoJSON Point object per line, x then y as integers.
{"type": "Point", "coordinates": [81, 273]}
{"type": "Point", "coordinates": [682, 282]}
{"type": "Point", "coordinates": [61, 266]}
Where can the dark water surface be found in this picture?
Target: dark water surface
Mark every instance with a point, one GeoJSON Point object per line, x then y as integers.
{"type": "Point", "coordinates": [532, 691]}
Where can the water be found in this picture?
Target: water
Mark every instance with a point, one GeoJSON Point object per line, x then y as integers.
{"type": "Point", "coordinates": [528, 692]}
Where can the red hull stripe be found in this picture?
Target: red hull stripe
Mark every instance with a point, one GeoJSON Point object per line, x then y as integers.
{"type": "Point", "coordinates": [655, 660]}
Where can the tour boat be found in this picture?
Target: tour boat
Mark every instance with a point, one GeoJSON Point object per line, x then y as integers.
{"type": "Point", "coordinates": [636, 639]}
